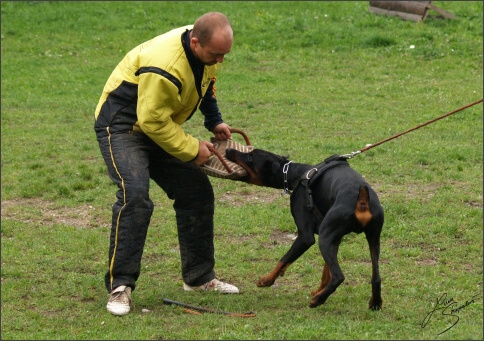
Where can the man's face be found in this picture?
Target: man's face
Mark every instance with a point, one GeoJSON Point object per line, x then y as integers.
{"type": "Point", "coordinates": [215, 50]}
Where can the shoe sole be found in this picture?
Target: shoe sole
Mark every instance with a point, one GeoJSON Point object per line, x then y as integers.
{"type": "Point", "coordinates": [186, 287]}
{"type": "Point", "coordinates": [118, 312]}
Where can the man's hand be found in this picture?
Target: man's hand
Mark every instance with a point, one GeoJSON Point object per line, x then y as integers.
{"type": "Point", "coordinates": [203, 152]}
{"type": "Point", "coordinates": [222, 132]}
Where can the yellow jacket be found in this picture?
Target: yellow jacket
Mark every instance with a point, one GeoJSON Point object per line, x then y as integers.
{"type": "Point", "coordinates": [153, 90]}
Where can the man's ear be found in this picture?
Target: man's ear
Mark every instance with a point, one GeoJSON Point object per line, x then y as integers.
{"type": "Point", "coordinates": [194, 41]}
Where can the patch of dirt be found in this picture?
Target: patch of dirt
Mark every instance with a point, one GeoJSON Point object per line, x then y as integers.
{"type": "Point", "coordinates": [280, 237]}
{"type": "Point", "coordinates": [45, 212]}
{"type": "Point", "coordinates": [426, 262]}
{"type": "Point", "coordinates": [241, 198]}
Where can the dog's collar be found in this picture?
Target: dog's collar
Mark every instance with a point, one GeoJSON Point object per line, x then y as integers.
{"type": "Point", "coordinates": [285, 169]}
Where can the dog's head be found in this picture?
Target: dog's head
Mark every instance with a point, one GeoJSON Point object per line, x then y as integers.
{"type": "Point", "coordinates": [263, 168]}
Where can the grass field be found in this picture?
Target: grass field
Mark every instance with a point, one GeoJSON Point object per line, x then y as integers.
{"type": "Point", "coordinates": [304, 79]}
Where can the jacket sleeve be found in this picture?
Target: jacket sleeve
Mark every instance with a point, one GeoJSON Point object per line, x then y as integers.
{"type": "Point", "coordinates": [209, 108]}
{"type": "Point", "coordinates": [158, 100]}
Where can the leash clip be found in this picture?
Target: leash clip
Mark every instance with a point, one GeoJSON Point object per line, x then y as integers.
{"type": "Point", "coordinates": [351, 155]}
{"type": "Point", "coordinates": [285, 169]}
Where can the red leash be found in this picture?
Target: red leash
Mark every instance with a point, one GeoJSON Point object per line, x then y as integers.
{"type": "Point", "coordinates": [353, 154]}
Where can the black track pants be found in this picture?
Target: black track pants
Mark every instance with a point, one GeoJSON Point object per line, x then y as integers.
{"type": "Point", "coordinates": [132, 159]}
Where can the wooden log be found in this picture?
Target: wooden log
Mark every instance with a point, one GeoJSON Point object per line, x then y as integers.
{"type": "Point", "coordinates": [403, 15]}
{"type": "Point", "coordinates": [445, 14]}
{"type": "Point", "coordinates": [408, 10]}
{"type": "Point", "coordinates": [412, 7]}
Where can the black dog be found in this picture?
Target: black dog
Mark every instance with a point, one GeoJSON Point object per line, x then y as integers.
{"type": "Point", "coordinates": [330, 200]}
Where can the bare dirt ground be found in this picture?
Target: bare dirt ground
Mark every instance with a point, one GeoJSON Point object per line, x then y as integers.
{"type": "Point", "coordinates": [44, 212]}
{"type": "Point", "coordinates": [49, 213]}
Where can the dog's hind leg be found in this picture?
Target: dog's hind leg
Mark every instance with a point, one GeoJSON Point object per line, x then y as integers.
{"type": "Point", "coordinates": [372, 230]}
{"type": "Point", "coordinates": [373, 238]}
{"type": "Point", "coordinates": [325, 279]}
{"type": "Point", "coordinates": [329, 246]}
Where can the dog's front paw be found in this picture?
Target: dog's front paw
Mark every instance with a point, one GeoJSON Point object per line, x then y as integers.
{"type": "Point", "coordinates": [265, 282]}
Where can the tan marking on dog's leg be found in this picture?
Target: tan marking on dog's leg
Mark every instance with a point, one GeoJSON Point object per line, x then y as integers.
{"type": "Point", "coordinates": [268, 280]}
{"type": "Point", "coordinates": [325, 279]}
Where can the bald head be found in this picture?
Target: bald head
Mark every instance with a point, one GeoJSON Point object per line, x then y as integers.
{"type": "Point", "coordinates": [212, 23]}
{"type": "Point", "coordinates": [211, 38]}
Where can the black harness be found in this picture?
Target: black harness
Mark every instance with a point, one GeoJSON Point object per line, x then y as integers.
{"type": "Point", "coordinates": [308, 178]}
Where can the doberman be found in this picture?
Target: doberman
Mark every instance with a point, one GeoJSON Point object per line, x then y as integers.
{"type": "Point", "coordinates": [330, 200]}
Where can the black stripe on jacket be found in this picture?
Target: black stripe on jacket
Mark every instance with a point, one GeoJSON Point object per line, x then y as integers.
{"type": "Point", "coordinates": [161, 72]}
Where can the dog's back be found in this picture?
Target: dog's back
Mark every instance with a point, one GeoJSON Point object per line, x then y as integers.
{"type": "Point", "coordinates": [343, 189]}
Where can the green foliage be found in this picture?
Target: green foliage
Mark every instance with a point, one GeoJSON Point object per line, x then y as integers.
{"type": "Point", "coordinates": [306, 79]}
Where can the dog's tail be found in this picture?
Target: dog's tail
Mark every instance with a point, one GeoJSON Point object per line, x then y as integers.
{"type": "Point", "coordinates": [362, 211]}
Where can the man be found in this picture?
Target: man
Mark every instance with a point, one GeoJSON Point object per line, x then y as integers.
{"type": "Point", "coordinates": [155, 88]}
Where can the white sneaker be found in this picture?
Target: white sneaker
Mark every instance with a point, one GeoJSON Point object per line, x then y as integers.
{"type": "Point", "coordinates": [215, 285]}
{"type": "Point", "coordinates": [120, 301]}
